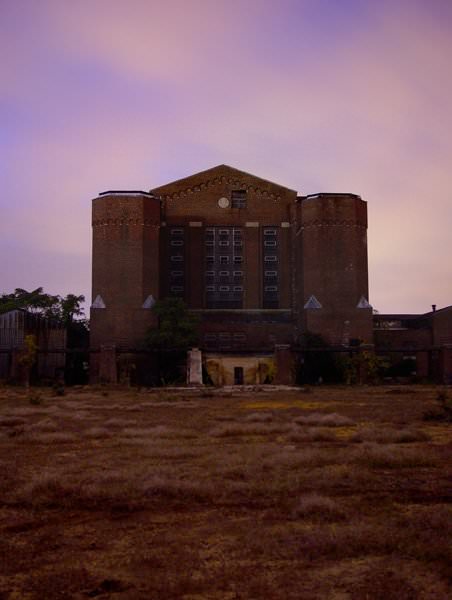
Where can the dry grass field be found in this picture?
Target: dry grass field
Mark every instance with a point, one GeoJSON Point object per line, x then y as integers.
{"type": "Point", "coordinates": [329, 493]}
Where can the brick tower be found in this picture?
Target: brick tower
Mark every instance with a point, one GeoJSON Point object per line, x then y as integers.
{"type": "Point", "coordinates": [332, 275]}
{"type": "Point", "coordinates": [125, 277]}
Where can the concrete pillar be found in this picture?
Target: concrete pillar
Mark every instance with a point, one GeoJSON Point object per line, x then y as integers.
{"type": "Point", "coordinates": [194, 367]}
{"type": "Point", "coordinates": [108, 371]}
{"type": "Point", "coordinates": [422, 364]}
{"type": "Point", "coordinates": [284, 365]}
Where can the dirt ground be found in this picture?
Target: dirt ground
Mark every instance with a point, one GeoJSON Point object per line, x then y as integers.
{"type": "Point", "coordinates": [324, 493]}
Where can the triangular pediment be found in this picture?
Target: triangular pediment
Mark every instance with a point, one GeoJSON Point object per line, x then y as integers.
{"type": "Point", "coordinates": [231, 174]}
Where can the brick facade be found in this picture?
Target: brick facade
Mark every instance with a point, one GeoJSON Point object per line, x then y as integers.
{"type": "Point", "coordinates": [245, 253]}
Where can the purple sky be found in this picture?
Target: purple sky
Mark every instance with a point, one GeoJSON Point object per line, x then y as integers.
{"type": "Point", "coordinates": [319, 95]}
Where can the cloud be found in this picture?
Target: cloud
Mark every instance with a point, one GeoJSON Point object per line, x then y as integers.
{"type": "Point", "coordinates": [317, 96]}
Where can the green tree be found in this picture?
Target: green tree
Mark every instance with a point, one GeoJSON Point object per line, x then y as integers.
{"type": "Point", "coordinates": [65, 309]}
{"type": "Point", "coordinates": [177, 331]}
{"type": "Point", "coordinates": [177, 327]}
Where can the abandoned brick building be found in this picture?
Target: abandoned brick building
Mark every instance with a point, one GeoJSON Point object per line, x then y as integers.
{"type": "Point", "coordinates": [260, 264]}
{"type": "Point", "coordinates": [50, 337]}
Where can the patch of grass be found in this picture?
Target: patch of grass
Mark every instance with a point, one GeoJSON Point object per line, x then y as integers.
{"type": "Point", "coordinates": [11, 421]}
{"type": "Point", "coordinates": [58, 437]}
{"type": "Point", "coordinates": [35, 399]}
{"type": "Point", "coordinates": [325, 420]}
{"type": "Point", "coordinates": [258, 418]}
{"type": "Point", "coordinates": [313, 434]}
{"type": "Point", "coordinates": [97, 433]}
{"type": "Point", "coordinates": [315, 506]}
{"type": "Point", "coordinates": [393, 457]}
{"type": "Point", "coordinates": [44, 426]}
{"type": "Point", "coordinates": [238, 429]}
{"type": "Point", "coordinates": [387, 435]}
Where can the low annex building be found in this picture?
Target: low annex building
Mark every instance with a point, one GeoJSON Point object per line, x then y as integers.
{"type": "Point", "coordinates": [261, 264]}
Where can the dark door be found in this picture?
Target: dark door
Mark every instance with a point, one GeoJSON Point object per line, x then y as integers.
{"type": "Point", "coordinates": [238, 375]}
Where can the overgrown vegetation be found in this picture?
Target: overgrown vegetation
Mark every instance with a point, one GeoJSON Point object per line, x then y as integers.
{"type": "Point", "coordinates": [148, 494]}
{"type": "Point", "coordinates": [177, 331]}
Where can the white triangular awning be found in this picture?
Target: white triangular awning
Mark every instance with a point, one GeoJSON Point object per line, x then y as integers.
{"type": "Point", "coordinates": [149, 302]}
{"type": "Point", "coordinates": [312, 303]}
{"type": "Point", "coordinates": [363, 303]}
{"type": "Point", "coordinates": [98, 302]}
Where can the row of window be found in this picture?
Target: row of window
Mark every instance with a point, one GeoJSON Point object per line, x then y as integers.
{"type": "Point", "coordinates": [224, 288]}
{"type": "Point", "coordinates": [211, 231]}
{"type": "Point", "coordinates": [224, 336]}
{"type": "Point", "coordinates": [176, 231]}
{"type": "Point", "coordinates": [224, 273]}
{"type": "Point", "coordinates": [224, 260]}
{"type": "Point", "coordinates": [223, 243]}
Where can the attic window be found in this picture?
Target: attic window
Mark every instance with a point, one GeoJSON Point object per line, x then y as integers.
{"type": "Point", "coordinates": [238, 199]}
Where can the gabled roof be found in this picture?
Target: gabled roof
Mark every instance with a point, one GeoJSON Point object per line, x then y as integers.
{"type": "Point", "coordinates": [215, 172]}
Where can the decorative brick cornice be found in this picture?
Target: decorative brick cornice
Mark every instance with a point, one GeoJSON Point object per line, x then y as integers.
{"type": "Point", "coordinates": [120, 222]}
{"type": "Point", "coordinates": [209, 183]}
{"type": "Point", "coordinates": [332, 223]}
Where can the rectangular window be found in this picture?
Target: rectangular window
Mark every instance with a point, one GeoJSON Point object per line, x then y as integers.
{"type": "Point", "coordinates": [224, 336]}
{"type": "Point", "coordinates": [224, 243]}
{"type": "Point", "coordinates": [177, 231]}
{"type": "Point", "coordinates": [270, 273]}
{"type": "Point", "coordinates": [210, 288]}
{"type": "Point", "coordinates": [210, 337]}
{"type": "Point", "coordinates": [238, 243]}
{"type": "Point", "coordinates": [238, 259]}
{"type": "Point", "coordinates": [177, 288]}
{"type": "Point", "coordinates": [177, 273]}
{"type": "Point", "coordinates": [210, 243]}
{"type": "Point", "coordinates": [210, 273]}
{"type": "Point", "coordinates": [271, 288]}
{"type": "Point", "coordinates": [269, 243]}
{"type": "Point", "coordinates": [238, 288]}
{"type": "Point", "coordinates": [237, 273]}
{"type": "Point", "coordinates": [238, 199]}
{"type": "Point", "coordinates": [224, 273]}
{"type": "Point", "coordinates": [239, 337]}
{"type": "Point", "coordinates": [177, 258]}
{"type": "Point", "coordinates": [224, 231]}
{"type": "Point", "coordinates": [269, 232]}
{"type": "Point", "coordinates": [271, 259]}
{"type": "Point", "coordinates": [177, 242]}
{"type": "Point", "coordinates": [210, 259]}
{"type": "Point", "coordinates": [224, 260]}
{"type": "Point", "coordinates": [224, 288]}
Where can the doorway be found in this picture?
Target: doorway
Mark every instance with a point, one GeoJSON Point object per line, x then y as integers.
{"type": "Point", "coordinates": [238, 375]}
